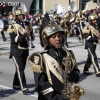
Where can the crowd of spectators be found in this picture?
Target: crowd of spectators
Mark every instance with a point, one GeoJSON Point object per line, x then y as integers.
{"type": "Point", "coordinates": [35, 18]}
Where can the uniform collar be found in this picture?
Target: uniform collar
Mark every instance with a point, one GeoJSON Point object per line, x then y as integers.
{"type": "Point", "coordinates": [20, 23]}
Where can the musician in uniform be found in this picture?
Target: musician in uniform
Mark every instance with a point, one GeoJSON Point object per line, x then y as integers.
{"type": "Point", "coordinates": [91, 33]}
{"type": "Point", "coordinates": [50, 65]}
{"type": "Point", "coordinates": [79, 21]}
{"type": "Point", "coordinates": [65, 24]}
{"type": "Point", "coordinates": [19, 32]}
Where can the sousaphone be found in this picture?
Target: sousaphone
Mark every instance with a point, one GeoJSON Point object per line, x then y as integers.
{"type": "Point", "coordinates": [59, 10]}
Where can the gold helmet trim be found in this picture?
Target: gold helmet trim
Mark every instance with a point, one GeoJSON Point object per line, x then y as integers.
{"type": "Point", "coordinates": [19, 11]}
{"type": "Point", "coordinates": [49, 30]}
{"type": "Point", "coordinates": [92, 17]}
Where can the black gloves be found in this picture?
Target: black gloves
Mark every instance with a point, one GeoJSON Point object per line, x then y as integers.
{"type": "Point", "coordinates": [96, 39]}
{"type": "Point", "coordinates": [73, 76]}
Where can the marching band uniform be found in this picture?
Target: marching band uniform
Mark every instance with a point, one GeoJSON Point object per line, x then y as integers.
{"type": "Point", "coordinates": [19, 50]}
{"type": "Point", "coordinates": [68, 18]}
{"type": "Point", "coordinates": [79, 21]}
{"type": "Point", "coordinates": [91, 40]}
{"type": "Point", "coordinates": [48, 67]}
{"type": "Point", "coordinates": [65, 24]}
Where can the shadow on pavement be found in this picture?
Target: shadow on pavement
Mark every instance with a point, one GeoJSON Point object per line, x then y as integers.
{"type": "Point", "coordinates": [83, 76]}
{"type": "Point", "coordinates": [6, 93]}
{"type": "Point", "coordinates": [4, 43]}
{"type": "Point", "coordinates": [4, 48]}
{"type": "Point", "coordinates": [0, 72]}
{"type": "Point", "coordinates": [72, 43]}
{"type": "Point", "coordinates": [81, 63]}
{"type": "Point", "coordinates": [77, 45]}
{"type": "Point", "coordinates": [32, 91]}
{"type": "Point", "coordinates": [31, 86]}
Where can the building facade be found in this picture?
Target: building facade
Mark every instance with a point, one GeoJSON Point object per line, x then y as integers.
{"type": "Point", "coordinates": [7, 5]}
{"type": "Point", "coordinates": [41, 6]}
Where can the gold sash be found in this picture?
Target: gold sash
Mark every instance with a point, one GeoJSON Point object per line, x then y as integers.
{"type": "Point", "coordinates": [93, 31]}
{"type": "Point", "coordinates": [53, 66]}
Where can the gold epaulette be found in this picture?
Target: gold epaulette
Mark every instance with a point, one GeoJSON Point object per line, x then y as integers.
{"type": "Point", "coordinates": [35, 61]}
{"type": "Point", "coordinates": [86, 30]}
{"type": "Point", "coordinates": [11, 29]}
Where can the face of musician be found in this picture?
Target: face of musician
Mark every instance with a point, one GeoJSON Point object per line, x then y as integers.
{"type": "Point", "coordinates": [94, 21]}
{"type": "Point", "coordinates": [65, 18]}
{"type": "Point", "coordinates": [20, 17]}
{"type": "Point", "coordinates": [56, 40]}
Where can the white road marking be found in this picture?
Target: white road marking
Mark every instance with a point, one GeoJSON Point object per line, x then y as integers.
{"type": "Point", "coordinates": [8, 88]}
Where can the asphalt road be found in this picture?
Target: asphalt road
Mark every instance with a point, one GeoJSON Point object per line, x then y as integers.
{"type": "Point", "coordinates": [90, 84]}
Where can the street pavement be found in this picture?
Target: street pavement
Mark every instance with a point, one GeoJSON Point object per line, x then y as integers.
{"type": "Point", "coordinates": [90, 84]}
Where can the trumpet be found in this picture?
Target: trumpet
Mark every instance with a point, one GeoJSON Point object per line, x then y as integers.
{"type": "Point", "coordinates": [28, 30]}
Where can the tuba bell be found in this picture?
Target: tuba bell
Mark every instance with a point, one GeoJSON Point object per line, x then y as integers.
{"type": "Point", "coordinates": [59, 10]}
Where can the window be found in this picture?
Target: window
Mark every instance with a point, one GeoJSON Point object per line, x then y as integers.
{"type": "Point", "coordinates": [82, 4]}
{"type": "Point", "coordinates": [36, 7]}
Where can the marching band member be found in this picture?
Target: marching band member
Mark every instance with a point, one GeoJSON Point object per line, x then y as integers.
{"type": "Point", "coordinates": [80, 21]}
{"type": "Point", "coordinates": [91, 33]}
{"type": "Point", "coordinates": [48, 66]}
{"type": "Point", "coordinates": [65, 24]}
{"type": "Point", "coordinates": [19, 51]}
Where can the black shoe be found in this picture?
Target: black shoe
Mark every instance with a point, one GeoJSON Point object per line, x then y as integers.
{"type": "Point", "coordinates": [87, 73]}
{"type": "Point", "coordinates": [16, 87]}
{"type": "Point", "coordinates": [25, 90]}
{"type": "Point", "coordinates": [98, 75]}
{"type": "Point", "coordinates": [33, 47]}
{"type": "Point", "coordinates": [5, 39]}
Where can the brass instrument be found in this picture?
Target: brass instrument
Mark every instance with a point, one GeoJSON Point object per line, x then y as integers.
{"type": "Point", "coordinates": [78, 91]}
{"type": "Point", "coordinates": [59, 10]}
{"type": "Point", "coordinates": [27, 29]}
{"type": "Point", "coordinates": [23, 31]}
{"type": "Point", "coordinates": [64, 26]}
{"type": "Point", "coordinates": [67, 90]}
{"type": "Point", "coordinates": [41, 18]}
